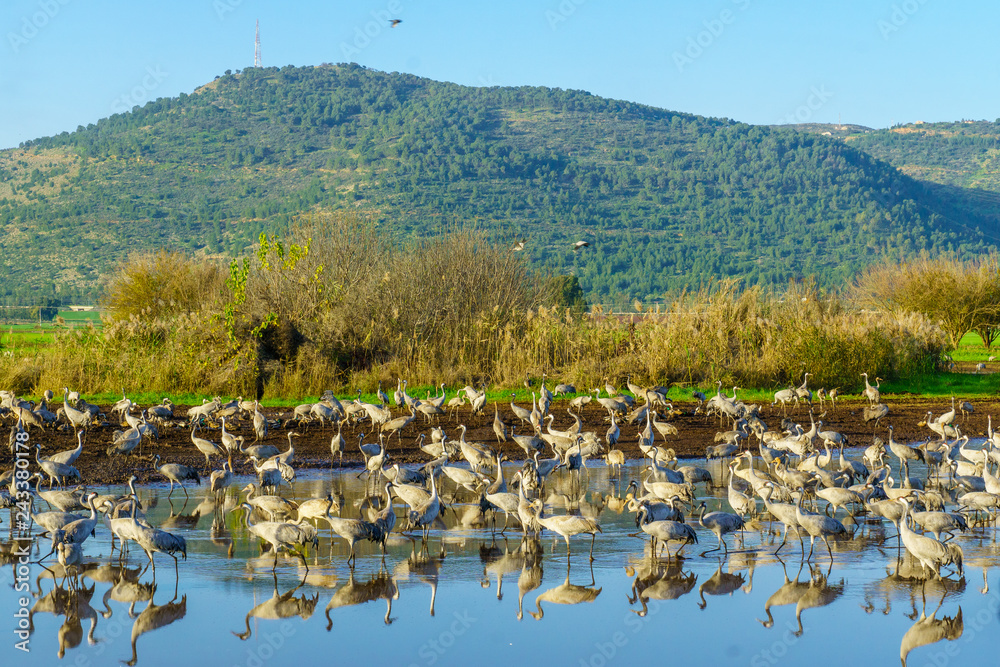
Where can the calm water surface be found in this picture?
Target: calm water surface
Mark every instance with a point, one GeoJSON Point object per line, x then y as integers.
{"type": "Point", "coordinates": [470, 597]}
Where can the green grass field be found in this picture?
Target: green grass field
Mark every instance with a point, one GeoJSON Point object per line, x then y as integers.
{"type": "Point", "coordinates": [73, 317]}
{"type": "Point", "coordinates": [971, 349]}
{"type": "Point", "coordinates": [35, 337]}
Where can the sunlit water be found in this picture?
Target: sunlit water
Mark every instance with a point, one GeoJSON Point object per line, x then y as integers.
{"type": "Point", "coordinates": [460, 601]}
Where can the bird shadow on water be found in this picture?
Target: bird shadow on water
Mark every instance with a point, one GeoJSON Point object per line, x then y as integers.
{"type": "Point", "coordinates": [380, 586]}
{"type": "Point", "coordinates": [281, 605]}
{"type": "Point", "coordinates": [424, 567]}
{"type": "Point", "coordinates": [659, 580]}
{"type": "Point", "coordinates": [928, 629]}
{"type": "Point", "coordinates": [720, 583]}
{"type": "Point", "coordinates": [73, 603]}
{"type": "Point", "coordinates": [902, 583]}
{"type": "Point", "coordinates": [567, 594]}
{"type": "Point", "coordinates": [154, 617]}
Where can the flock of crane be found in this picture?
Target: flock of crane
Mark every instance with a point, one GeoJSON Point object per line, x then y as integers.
{"type": "Point", "coordinates": [792, 466]}
{"type": "Point", "coordinates": [797, 476]}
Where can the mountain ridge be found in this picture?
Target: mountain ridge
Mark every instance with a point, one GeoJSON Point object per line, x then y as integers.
{"type": "Point", "coordinates": [668, 200]}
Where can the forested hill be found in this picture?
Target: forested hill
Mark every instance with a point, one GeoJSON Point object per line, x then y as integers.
{"type": "Point", "coordinates": [962, 157]}
{"type": "Point", "coordinates": [963, 154]}
{"type": "Point", "coordinates": [666, 199]}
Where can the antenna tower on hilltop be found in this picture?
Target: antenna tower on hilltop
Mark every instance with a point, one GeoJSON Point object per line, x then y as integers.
{"type": "Point", "coordinates": [256, 47]}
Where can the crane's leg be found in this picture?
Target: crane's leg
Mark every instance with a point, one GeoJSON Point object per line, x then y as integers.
{"type": "Point", "coordinates": [593, 537]}
{"type": "Point", "coordinates": [686, 542]}
{"type": "Point", "coordinates": [177, 578]}
{"type": "Point", "coordinates": [708, 551]}
{"type": "Point", "coordinates": [784, 537]}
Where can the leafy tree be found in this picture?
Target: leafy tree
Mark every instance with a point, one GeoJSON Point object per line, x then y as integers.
{"type": "Point", "coordinates": [565, 291]}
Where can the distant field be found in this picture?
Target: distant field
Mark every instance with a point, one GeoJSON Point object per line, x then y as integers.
{"type": "Point", "coordinates": [81, 316]}
{"type": "Point", "coordinates": [37, 336]}
{"type": "Point", "coordinates": [971, 348]}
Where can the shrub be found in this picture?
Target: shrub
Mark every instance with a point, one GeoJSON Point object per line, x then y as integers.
{"type": "Point", "coordinates": [162, 284]}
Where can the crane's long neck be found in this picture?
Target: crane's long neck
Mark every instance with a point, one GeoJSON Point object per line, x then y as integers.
{"type": "Point", "coordinates": [500, 480]}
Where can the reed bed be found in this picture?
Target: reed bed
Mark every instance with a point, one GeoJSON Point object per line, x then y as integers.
{"type": "Point", "coordinates": [341, 307]}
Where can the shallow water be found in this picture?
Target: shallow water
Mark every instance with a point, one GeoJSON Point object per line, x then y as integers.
{"type": "Point", "coordinates": [460, 600]}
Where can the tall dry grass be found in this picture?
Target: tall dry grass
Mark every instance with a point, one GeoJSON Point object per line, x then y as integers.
{"type": "Point", "coordinates": [341, 305]}
{"type": "Point", "coordinates": [752, 338]}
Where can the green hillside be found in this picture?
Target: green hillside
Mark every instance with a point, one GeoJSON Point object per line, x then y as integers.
{"type": "Point", "coordinates": [666, 200]}
{"type": "Point", "coordinates": [963, 154]}
{"type": "Point", "coordinates": [961, 157]}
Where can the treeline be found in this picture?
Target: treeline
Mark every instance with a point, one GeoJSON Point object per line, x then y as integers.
{"type": "Point", "coordinates": [336, 305]}
{"type": "Point", "coordinates": [668, 201]}
{"type": "Point", "coordinates": [959, 296]}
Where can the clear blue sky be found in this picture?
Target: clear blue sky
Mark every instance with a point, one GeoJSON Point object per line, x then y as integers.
{"type": "Point", "coordinates": [65, 63]}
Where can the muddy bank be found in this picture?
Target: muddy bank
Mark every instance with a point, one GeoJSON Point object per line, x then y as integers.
{"type": "Point", "coordinates": [695, 432]}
